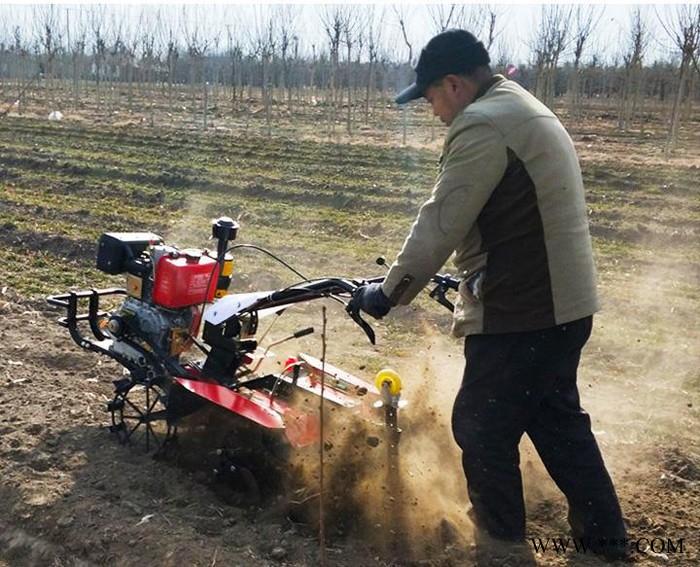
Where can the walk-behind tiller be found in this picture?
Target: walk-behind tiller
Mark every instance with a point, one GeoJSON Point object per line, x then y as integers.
{"type": "Point", "coordinates": [171, 296]}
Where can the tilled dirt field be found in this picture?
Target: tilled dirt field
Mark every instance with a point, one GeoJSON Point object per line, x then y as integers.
{"type": "Point", "coordinates": [71, 495]}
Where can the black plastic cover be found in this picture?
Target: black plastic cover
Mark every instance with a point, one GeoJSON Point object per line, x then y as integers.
{"type": "Point", "coordinates": [115, 249]}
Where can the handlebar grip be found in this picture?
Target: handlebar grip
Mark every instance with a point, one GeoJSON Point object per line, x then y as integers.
{"type": "Point", "coordinates": [303, 332]}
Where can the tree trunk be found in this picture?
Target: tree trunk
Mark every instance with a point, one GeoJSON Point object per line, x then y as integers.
{"type": "Point", "coordinates": [349, 114]}
{"type": "Point", "coordinates": [674, 127]}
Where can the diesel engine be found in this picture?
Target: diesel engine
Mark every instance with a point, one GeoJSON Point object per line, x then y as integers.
{"type": "Point", "coordinates": [166, 289]}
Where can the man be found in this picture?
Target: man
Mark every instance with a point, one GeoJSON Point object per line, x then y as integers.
{"type": "Point", "coordinates": [509, 203]}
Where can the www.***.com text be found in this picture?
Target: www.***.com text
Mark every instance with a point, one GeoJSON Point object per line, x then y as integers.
{"type": "Point", "coordinates": [584, 545]}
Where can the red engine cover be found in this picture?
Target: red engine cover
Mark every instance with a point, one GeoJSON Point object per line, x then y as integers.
{"type": "Point", "coordinates": [185, 279]}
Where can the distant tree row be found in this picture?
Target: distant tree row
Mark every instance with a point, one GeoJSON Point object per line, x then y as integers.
{"type": "Point", "coordinates": [351, 70]}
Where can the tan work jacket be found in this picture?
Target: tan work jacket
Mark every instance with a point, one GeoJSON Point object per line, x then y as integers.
{"type": "Point", "coordinates": [509, 203]}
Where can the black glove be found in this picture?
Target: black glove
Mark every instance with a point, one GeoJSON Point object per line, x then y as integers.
{"type": "Point", "coordinates": [371, 299]}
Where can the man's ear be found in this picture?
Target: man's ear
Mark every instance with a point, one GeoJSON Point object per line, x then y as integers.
{"type": "Point", "coordinates": [453, 83]}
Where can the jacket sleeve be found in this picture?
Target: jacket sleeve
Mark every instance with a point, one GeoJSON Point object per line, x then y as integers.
{"type": "Point", "coordinates": [473, 162]}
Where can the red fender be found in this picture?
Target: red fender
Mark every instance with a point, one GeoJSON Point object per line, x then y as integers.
{"type": "Point", "coordinates": [248, 406]}
{"type": "Point", "coordinates": [301, 429]}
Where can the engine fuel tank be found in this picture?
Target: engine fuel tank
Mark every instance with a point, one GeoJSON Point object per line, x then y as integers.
{"type": "Point", "coordinates": [184, 278]}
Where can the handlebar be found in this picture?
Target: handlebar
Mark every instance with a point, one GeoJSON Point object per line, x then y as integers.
{"type": "Point", "coordinates": [314, 289]}
{"type": "Point", "coordinates": [343, 289]}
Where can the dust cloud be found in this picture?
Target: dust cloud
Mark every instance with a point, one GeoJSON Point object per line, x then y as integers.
{"type": "Point", "coordinates": [432, 479]}
{"type": "Point", "coordinates": [409, 498]}
{"type": "Point", "coordinates": [639, 373]}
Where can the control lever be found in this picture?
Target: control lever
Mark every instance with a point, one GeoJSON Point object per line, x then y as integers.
{"type": "Point", "coordinates": [439, 294]}
{"type": "Point", "coordinates": [296, 335]}
{"type": "Point", "coordinates": [354, 311]}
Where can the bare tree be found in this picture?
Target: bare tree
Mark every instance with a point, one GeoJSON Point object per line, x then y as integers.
{"type": "Point", "coordinates": [384, 65]}
{"type": "Point", "coordinates": [235, 55]}
{"type": "Point", "coordinates": [585, 20]}
{"type": "Point", "coordinates": [683, 27]}
{"type": "Point", "coordinates": [117, 58]}
{"type": "Point", "coordinates": [76, 40]}
{"type": "Point", "coordinates": [211, 77]}
{"type": "Point", "coordinates": [350, 39]}
{"type": "Point", "coordinates": [264, 46]}
{"type": "Point", "coordinates": [631, 96]}
{"type": "Point", "coordinates": [334, 23]}
{"type": "Point", "coordinates": [127, 58]}
{"type": "Point", "coordinates": [172, 56]}
{"type": "Point", "coordinates": [444, 16]}
{"type": "Point", "coordinates": [312, 75]}
{"type": "Point", "coordinates": [285, 18]}
{"type": "Point", "coordinates": [479, 19]}
{"type": "Point", "coordinates": [375, 25]}
{"type": "Point", "coordinates": [502, 58]}
{"type": "Point", "coordinates": [22, 69]}
{"type": "Point", "coordinates": [99, 49]}
{"type": "Point", "coordinates": [402, 18]}
{"type": "Point", "coordinates": [49, 38]}
{"type": "Point", "coordinates": [150, 58]}
{"type": "Point", "coordinates": [494, 28]}
{"type": "Point", "coordinates": [548, 44]}
{"type": "Point", "coordinates": [296, 68]}
{"type": "Point", "coordinates": [198, 43]}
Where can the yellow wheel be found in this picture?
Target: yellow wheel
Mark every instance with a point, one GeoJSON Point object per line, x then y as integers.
{"type": "Point", "coordinates": [388, 375]}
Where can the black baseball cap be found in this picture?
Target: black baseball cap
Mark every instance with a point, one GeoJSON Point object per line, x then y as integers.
{"type": "Point", "coordinates": [450, 52]}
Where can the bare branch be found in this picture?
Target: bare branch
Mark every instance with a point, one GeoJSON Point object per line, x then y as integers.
{"type": "Point", "coordinates": [402, 18]}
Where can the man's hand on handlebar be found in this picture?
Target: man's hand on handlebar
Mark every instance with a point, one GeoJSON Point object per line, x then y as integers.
{"type": "Point", "coordinates": [371, 299]}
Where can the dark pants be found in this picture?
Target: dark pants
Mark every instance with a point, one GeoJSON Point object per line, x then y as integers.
{"type": "Point", "coordinates": [519, 383]}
